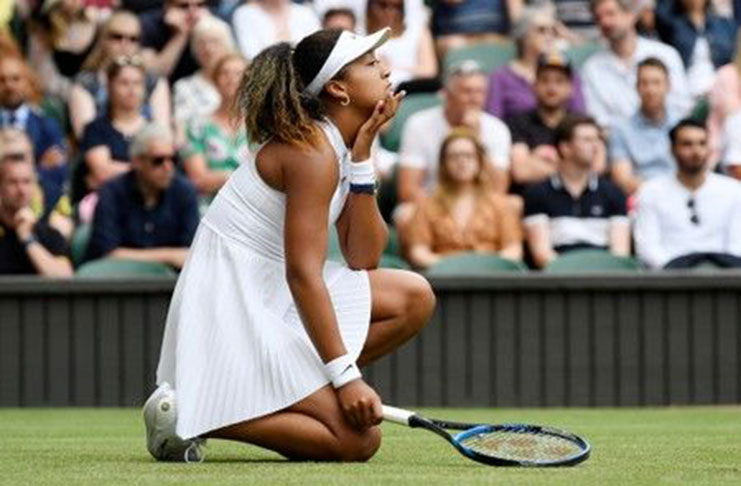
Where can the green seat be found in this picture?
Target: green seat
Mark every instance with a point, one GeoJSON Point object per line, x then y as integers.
{"type": "Point", "coordinates": [391, 140]}
{"type": "Point", "coordinates": [334, 252]}
{"type": "Point", "coordinates": [489, 55]}
{"type": "Point", "coordinates": [120, 268]}
{"type": "Point", "coordinates": [78, 244]}
{"type": "Point", "coordinates": [474, 264]}
{"type": "Point", "coordinates": [392, 246]}
{"type": "Point", "coordinates": [56, 108]}
{"type": "Point", "coordinates": [392, 261]}
{"type": "Point", "coordinates": [579, 261]}
{"type": "Point", "coordinates": [579, 54]}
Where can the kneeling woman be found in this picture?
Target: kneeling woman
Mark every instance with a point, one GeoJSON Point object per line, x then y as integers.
{"type": "Point", "coordinates": [264, 336]}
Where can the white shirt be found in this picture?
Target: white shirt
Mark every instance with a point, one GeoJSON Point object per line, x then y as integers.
{"type": "Point", "coordinates": [414, 11]}
{"type": "Point", "coordinates": [424, 133]}
{"type": "Point", "coordinates": [701, 71]}
{"type": "Point", "coordinates": [194, 96]}
{"type": "Point", "coordinates": [255, 29]}
{"type": "Point", "coordinates": [732, 138]}
{"type": "Point", "coordinates": [663, 226]}
{"type": "Point", "coordinates": [610, 85]}
{"type": "Point", "coordinates": [402, 53]}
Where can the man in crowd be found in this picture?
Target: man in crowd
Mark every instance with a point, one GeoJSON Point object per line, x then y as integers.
{"type": "Point", "coordinates": [574, 208]}
{"type": "Point", "coordinates": [692, 216]}
{"type": "Point", "coordinates": [610, 76]}
{"type": "Point", "coordinates": [149, 213]}
{"type": "Point", "coordinates": [639, 145]}
{"type": "Point", "coordinates": [28, 245]}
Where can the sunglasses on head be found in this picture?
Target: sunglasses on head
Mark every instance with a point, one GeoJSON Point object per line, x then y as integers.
{"type": "Point", "coordinates": [118, 37]}
{"type": "Point", "coordinates": [694, 217]}
{"type": "Point", "coordinates": [159, 160]}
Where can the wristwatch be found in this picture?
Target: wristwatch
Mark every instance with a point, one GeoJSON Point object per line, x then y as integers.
{"type": "Point", "coordinates": [30, 239]}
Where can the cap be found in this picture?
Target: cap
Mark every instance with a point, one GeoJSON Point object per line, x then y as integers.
{"type": "Point", "coordinates": [554, 60]}
{"type": "Point", "coordinates": [349, 47]}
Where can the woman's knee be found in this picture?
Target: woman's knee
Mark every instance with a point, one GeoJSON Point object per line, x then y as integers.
{"type": "Point", "coordinates": [359, 446]}
{"type": "Point", "coordinates": [420, 301]}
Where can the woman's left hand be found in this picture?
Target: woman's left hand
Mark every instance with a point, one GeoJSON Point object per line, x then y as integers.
{"type": "Point", "coordinates": [384, 111]}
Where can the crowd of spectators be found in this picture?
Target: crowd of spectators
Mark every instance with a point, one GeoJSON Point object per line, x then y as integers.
{"type": "Point", "coordinates": [117, 120]}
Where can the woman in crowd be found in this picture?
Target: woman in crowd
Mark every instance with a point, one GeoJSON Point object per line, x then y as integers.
{"type": "Point", "coordinates": [120, 36]}
{"type": "Point", "coordinates": [410, 53]}
{"type": "Point", "coordinates": [463, 214]}
{"type": "Point", "coordinates": [217, 143]}
{"type": "Point", "coordinates": [511, 86]}
{"type": "Point", "coordinates": [725, 99]}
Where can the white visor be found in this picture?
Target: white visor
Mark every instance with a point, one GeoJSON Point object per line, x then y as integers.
{"type": "Point", "coordinates": [348, 48]}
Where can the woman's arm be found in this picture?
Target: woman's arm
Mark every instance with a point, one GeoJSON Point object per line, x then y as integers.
{"type": "Point", "coordinates": [206, 180]}
{"type": "Point", "coordinates": [426, 60]}
{"type": "Point", "coordinates": [102, 167]}
{"type": "Point", "coordinates": [160, 103]}
{"type": "Point", "coordinates": [81, 109]}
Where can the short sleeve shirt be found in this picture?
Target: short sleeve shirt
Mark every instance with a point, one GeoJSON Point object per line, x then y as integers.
{"type": "Point", "coordinates": [13, 257]}
{"type": "Point", "coordinates": [101, 132]}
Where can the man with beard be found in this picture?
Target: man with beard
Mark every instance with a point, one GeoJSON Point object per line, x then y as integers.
{"type": "Point", "coordinates": [692, 217]}
{"type": "Point", "coordinates": [610, 76]}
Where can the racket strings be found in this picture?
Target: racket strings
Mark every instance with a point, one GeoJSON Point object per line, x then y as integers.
{"type": "Point", "coordinates": [522, 446]}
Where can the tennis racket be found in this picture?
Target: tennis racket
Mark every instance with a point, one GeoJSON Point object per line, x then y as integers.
{"type": "Point", "coordinates": [501, 444]}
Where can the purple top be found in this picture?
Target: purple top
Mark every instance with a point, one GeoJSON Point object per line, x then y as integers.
{"type": "Point", "coordinates": [510, 94]}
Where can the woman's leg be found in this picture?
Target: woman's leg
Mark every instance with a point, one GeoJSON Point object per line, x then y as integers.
{"type": "Point", "coordinates": [402, 303]}
{"type": "Point", "coordinates": [313, 429]}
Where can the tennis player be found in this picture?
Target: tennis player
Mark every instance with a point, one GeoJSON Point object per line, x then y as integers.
{"type": "Point", "coordinates": [264, 337]}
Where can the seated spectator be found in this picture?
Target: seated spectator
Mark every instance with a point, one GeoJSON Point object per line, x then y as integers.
{"type": "Point", "coordinates": [639, 145]}
{"type": "Point", "coordinates": [410, 52]}
{"type": "Point", "coordinates": [167, 32]}
{"type": "Point", "coordinates": [534, 154]}
{"type": "Point", "coordinates": [89, 95]}
{"type": "Point", "coordinates": [17, 110]}
{"type": "Point", "coordinates": [105, 142]}
{"type": "Point", "coordinates": [609, 75]}
{"type": "Point", "coordinates": [693, 216]}
{"type": "Point", "coordinates": [705, 41]}
{"type": "Point", "coordinates": [463, 213]}
{"type": "Point", "coordinates": [424, 132]}
{"type": "Point", "coordinates": [732, 157]}
{"type": "Point", "coordinates": [511, 87]}
{"type": "Point", "coordinates": [575, 208]}
{"type": "Point", "coordinates": [575, 21]}
{"type": "Point", "coordinates": [196, 95]}
{"type": "Point", "coordinates": [646, 18]}
{"type": "Point", "coordinates": [150, 213]}
{"type": "Point", "coordinates": [262, 23]}
{"type": "Point", "coordinates": [725, 99]}
{"type": "Point", "coordinates": [339, 18]}
{"type": "Point", "coordinates": [218, 143]}
{"type": "Point", "coordinates": [28, 245]}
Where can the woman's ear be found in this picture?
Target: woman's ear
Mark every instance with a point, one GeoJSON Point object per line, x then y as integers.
{"type": "Point", "coordinates": [337, 91]}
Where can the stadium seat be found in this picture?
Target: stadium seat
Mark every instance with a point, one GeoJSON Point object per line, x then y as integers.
{"type": "Point", "coordinates": [392, 261]}
{"type": "Point", "coordinates": [392, 247]}
{"type": "Point", "coordinates": [474, 264]}
{"type": "Point", "coordinates": [391, 140]}
{"type": "Point", "coordinates": [78, 244]}
{"type": "Point", "coordinates": [579, 261]}
{"type": "Point", "coordinates": [489, 55]}
{"type": "Point", "coordinates": [120, 268]}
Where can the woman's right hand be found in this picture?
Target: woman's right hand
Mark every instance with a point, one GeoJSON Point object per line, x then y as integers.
{"type": "Point", "coordinates": [360, 404]}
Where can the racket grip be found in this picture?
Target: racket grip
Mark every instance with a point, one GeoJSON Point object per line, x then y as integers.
{"type": "Point", "coordinates": [396, 415]}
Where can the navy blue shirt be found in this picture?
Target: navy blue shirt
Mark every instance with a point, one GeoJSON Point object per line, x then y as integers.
{"type": "Point", "coordinates": [156, 34]}
{"type": "Point", "coordinates": [102, 132]}
{"type": "Point", "coordinates": [121, 220]}
{"type": "Point", "coordinates": [14, 258]}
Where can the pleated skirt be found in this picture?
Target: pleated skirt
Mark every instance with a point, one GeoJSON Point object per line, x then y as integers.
{"type": "Point", "coordinates": [234, 346]}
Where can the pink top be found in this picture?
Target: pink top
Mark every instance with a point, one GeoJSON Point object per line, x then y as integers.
{"type": "Point", "coordinates": [725, 98]}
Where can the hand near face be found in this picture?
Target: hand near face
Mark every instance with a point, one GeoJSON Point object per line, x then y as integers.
{"type": "Point", "coordinates": [384, 111]}
{"type": "Point", "coordinates": [54, 157]}
{"type": "Point", "coordinates": [177, 20]}
{"type": "Point", "coordinates": [548, 153]}
{"type": "Point", "coordinates": [24, 220]}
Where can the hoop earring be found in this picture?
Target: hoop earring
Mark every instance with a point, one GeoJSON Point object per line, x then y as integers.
{"type": "Point", "coordinates": [345, 102]}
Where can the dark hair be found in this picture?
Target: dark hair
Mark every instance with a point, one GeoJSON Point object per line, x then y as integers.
{"type": "Point", "coordinates": [684, 123]}
{"type": "Point", "coordinates": [653, 62]}
{"type": "Point", "coordinates": [566, 129]}
{"type": "Point", "coordinates": [339, 11]}
{"type": "Point", "coordinates": [272, 95]}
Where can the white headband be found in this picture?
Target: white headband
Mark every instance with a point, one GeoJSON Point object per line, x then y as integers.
{"type": "Point", "coordinates": [348, 48]}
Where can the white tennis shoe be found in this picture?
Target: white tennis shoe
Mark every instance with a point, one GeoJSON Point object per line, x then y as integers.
{"type": "Point", "coordinates": [160, 417]}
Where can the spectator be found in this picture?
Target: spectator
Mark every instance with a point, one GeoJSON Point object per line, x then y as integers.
{"type": "Point", "coordinates": [149, 213]}
{"type": "Point", "coordinates": [534, 154]}
{"type": "Point", "coordinates": [120, 36]}
{"type": "Point", "coordinates": [339, 18]}
{"type": "Point", "coordinates": [732, 158]}
{"type": "Point", "coordinates": [262, 23]}
{"type": "Point", "coordinates": [410, 52]}
{"type": "Point", "coordinates": [639, 145]}
{"type": "Point", "coordinates": [28, 245]}
{"type": "Point", "coordinates": [463, 213]}
{"type": "Point", "coordinates": [575, 20]}
{"type": "Point", "coordinates": [424, 132]}
{"type": "Point", "coordinates": [705, 41]}
{"type": "Point", "coordinates": [218, 143]}
{"type": "Point", "coordinates": [167, 31]}
{"type": "Point", "coordinates": [18, 111]}
{"type": "Point", "coordinates": [105, 142]}
{"type": "Point", "coordinates": [725, 98]}
{"type": "Point", "coordinates": [609, 75]}
{"type": "Point", "coordinates": [693, 216]}
{"type": "Point", "coordinates": [511, 86]}
{"type": "Point", "coordinates": [575, 208]}
{"type": "Point", "coordinates": [196, 95]}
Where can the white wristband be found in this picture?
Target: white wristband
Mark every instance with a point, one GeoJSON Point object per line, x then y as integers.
{"type": "Point", "coordinates": [341, 371]}
{"type": "Point", "coordinates": [362, 173]}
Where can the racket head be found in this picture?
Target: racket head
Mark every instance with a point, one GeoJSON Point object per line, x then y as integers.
{"type": "Point", "coordinates": [522, 445]}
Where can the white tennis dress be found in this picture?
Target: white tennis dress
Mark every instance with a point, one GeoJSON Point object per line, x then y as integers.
{"type": "Point", "coordinates": [234, 346]}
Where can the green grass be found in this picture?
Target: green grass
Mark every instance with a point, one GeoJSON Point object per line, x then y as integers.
{"type": "Point", "coordinates": [669, 446]}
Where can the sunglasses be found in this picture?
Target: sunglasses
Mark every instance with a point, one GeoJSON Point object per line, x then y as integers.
{"type": "Point", "coordinates": [694, 217]}
{"type": "Point", "coordinates": [159, 160]}
{"type": "Point", "coordinates": [118, 37]}
{"type": "Point", "coordinates": [122, 61]}
{"type": "Point", "coordinates": [187, 5]}
{"type": "Point", "coordinates": [14, 157]}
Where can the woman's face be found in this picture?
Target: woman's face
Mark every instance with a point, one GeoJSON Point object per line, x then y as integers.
{"type": "Point", "coordinates": [385, 13]}
{"type": "Point", "coordinates": [127, 89]}
{"type": "Point", "coordinates": [122, 38]}
{"type": "Point", "coordinates": [209, 49]}
{"type": "Point", "coordinates": [367, 81]}
{"type": "Point", "coordinates": [228, 77]}
{"type": "Point", "coordinates": [541, 34]}
{"type": "Point", "coordinates": [461, 161]}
